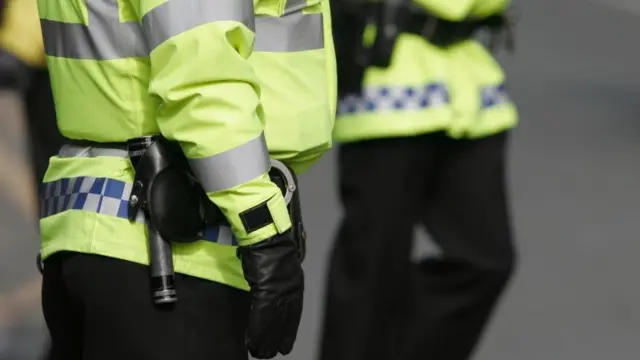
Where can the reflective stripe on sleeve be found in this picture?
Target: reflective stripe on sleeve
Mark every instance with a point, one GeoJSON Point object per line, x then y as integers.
{"type": "Point", "coordinates": [233, 167]}
{"type": "Point", "coordinates": [215, 173]}
{"type": "Point", "coordinates": [105, 38]}
{"type": "Point", "coordinates": [291, 32]}
{"type": "Point", "coordinates": [177, 16]}
{"type": "Point", "coordinates": [106, 197]}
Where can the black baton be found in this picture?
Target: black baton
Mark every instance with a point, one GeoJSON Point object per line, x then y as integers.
{"type": "Point", "coordinates": [163, 289]}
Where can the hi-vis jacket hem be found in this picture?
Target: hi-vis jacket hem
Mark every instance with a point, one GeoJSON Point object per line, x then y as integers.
{"type": "Point", "coordinates": [92, 212]}
{"type": "Point", "coordinates": [393, 111]}
{"type": "Point", "coordinates": [220, 265]}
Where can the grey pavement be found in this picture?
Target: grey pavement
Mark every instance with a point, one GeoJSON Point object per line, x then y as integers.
{"type": "Point", "coordinates": [575, 179]}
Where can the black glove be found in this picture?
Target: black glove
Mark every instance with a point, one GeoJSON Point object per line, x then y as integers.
{"type": "Point", "coordinates": [273, 270]}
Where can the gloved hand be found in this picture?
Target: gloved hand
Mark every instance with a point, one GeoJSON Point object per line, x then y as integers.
{"type": "Point", "coordinates": [273, 270]}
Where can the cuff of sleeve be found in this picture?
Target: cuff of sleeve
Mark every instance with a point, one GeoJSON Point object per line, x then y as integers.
{"type": "Point", "coordinates": [281, 223]}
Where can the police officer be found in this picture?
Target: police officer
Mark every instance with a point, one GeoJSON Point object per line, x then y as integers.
{"type": "Point", "coordinates": [424, 143]}
{"type": "Point", "coordinates": [132, 79]}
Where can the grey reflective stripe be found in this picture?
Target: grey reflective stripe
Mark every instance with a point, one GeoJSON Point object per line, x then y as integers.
{"type": "Point", "coordinates": [177, 16]}
{"type": "Point", "coordinates": [67, 151]}
{"type": "Point", "coordinates": [105, 38]}
{"type": "Point", "coordinates": [289, 33]}
{"type": "Point", "coordinates": [233, 167]}
{"type": "Point", "coordinates": [294, 6]}
{"type": "Point", "coordinates": [215, 173]}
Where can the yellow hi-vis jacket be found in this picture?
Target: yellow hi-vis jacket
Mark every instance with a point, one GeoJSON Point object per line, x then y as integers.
{"type": "Point", "coordinates": [20, 33]}
{"type": "Point", "coordinates": [121, 69]}
{"type": "Point", "coordinates": [298, 98]}
{"type": "Point", "coordinates": [459, 89]}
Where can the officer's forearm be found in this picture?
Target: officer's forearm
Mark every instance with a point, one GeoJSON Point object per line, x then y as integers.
{"type": "Point", "coordinates": [210, 105]}
{"type": "Point", "coordinates": [237, 203]}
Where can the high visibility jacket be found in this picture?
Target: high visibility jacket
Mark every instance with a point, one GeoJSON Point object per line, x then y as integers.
{"type": "Point", "coordinates": [121, 69]}
{"type": "Point", "coordinates": [20, 32]}
{"type": "Point", "coordinates": [459, 89]}
{"type": "Point", "coordinates": [299, 98]}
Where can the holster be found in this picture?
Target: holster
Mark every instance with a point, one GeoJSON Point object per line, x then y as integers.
{"type": "Point", "coordinates": [171, 197]}
{"type": "Point", "coordinates": [166, 191]}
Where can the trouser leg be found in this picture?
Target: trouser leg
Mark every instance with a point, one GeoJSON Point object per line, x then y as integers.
{"type": "Point", "coordinates": [380, 186]}
{"type": "Point", "coordinates": [120, 321]}
{"type": "Point", "coordinates": [467, 216]}
{"type": "Point", "coordinates": [62, 311]}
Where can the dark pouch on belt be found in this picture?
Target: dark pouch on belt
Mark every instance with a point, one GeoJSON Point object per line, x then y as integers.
{"type": "Point", "coordinates": [165, 189]}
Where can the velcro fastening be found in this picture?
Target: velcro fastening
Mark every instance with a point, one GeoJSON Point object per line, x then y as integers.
{"type": "Point", "coordinates": [280, 213]}
{"type": "Point", "coordinates": [256, 218]}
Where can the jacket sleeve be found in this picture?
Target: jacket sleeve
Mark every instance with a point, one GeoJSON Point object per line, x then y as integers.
{"type": "Point", "coordinates": [484, 8]}
{"type": "Point", "coordinates": [209, 102]}
{"type": "Point", "coordinates": [446, 9]}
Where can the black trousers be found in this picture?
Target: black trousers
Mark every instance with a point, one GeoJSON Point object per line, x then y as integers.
{"type": "Point", "coordinates": [100, 308]}
{"type": "Point", "coordinates": [381, 305]}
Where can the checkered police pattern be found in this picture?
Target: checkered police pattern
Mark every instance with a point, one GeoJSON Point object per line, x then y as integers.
{"type": "Point", "coordinates": [107, 197]}
{"type": "Point", "coordinates": [493, 96]}
{"type": "Point", "coordinates": [387, 98]}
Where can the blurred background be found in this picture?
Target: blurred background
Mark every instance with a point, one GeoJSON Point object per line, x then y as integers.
{"type": "Point", "coordinates": [574, 177]}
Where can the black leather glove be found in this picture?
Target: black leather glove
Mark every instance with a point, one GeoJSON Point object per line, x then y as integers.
{"type": "Point", "coordinates": [273, 270]}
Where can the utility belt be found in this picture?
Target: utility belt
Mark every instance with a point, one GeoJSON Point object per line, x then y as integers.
{"type": "Point", "coordinates": [445, 33]}
{"type": "Point", "coordinates": [176, 207]}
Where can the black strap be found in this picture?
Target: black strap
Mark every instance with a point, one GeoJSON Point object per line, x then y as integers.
{"type": "Point", "coordinates": [256, 218]}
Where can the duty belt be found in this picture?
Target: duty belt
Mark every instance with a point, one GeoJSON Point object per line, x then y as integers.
{"type": "Point", "coordinates": [175, 207]}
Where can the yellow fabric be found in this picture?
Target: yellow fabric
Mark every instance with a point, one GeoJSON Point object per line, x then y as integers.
{"type": "Point", "coordinates": [20, 32]}
{"type": "Point", "coordinates": [208, 109]}
{"type": "Point", "coordinates": [298, 95]}
{"type": "Point", "coordinates": [176, 91]}
{"type": "Point", "coordinates": [476, 69]}
{"type": "Point", "coordinates": [466, 70]}
{"type": "Point", "coordinates": [484, 8]}
{"type": "Point", "coordinates": [92, 233]}
{"type": "Point", "coordinates": [413, 63]}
